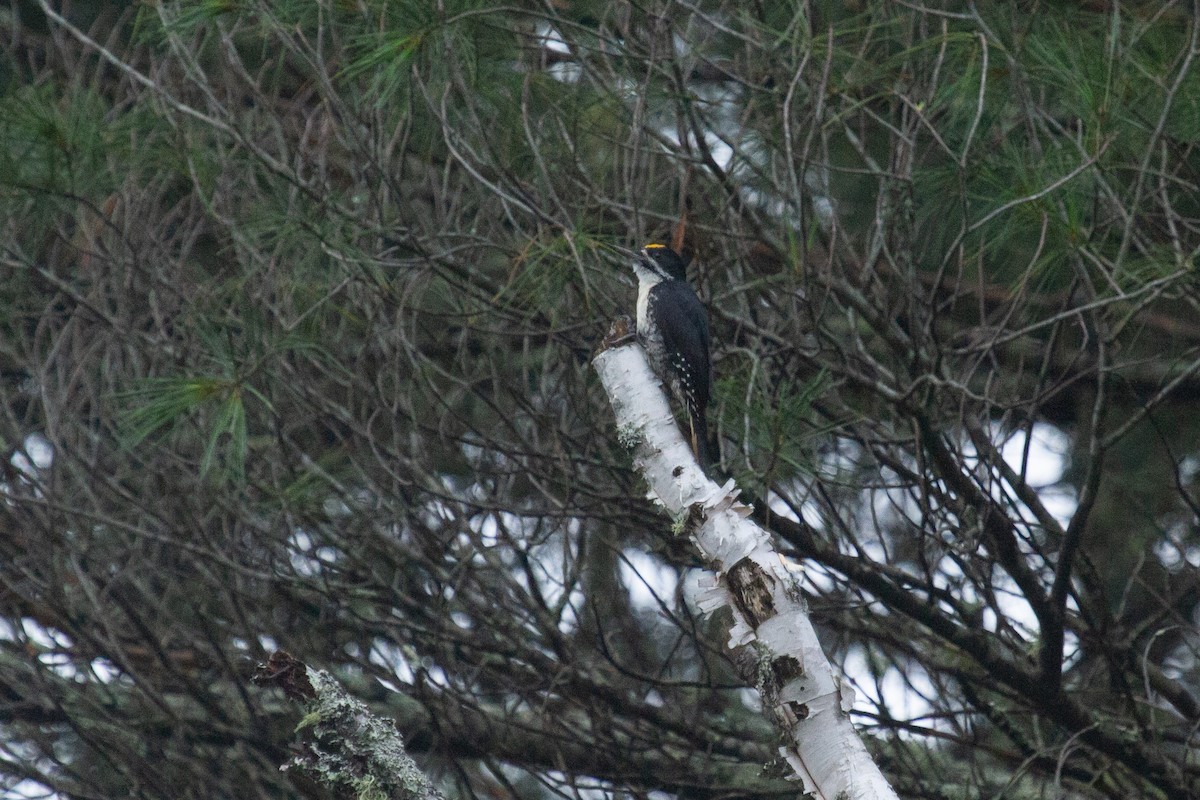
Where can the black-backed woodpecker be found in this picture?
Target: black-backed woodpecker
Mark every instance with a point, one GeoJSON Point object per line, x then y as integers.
{"type": "Point", "coordinates": [672, 327]}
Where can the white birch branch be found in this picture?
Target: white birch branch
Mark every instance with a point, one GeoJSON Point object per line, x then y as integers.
{"type": "Point", "coordinates": [798, 686]}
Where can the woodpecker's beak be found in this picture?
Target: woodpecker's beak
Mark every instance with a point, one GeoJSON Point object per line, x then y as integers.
{"type": "Point", "coordinates": [644, 266]}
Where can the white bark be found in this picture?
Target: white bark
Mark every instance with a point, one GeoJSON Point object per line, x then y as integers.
{"type": "Point", "coordinates": [798, 686]}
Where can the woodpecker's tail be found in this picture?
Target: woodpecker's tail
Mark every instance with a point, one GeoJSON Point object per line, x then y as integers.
{"type": "Point", "coordinates": [698, 425]}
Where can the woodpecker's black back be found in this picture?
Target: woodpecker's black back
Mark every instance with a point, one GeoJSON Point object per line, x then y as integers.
{"type": "Point", "coordinates": [672, 327]}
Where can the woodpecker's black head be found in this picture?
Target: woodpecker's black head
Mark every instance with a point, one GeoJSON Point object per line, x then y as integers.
{"type": "Point", "coordinates": [664, 262]}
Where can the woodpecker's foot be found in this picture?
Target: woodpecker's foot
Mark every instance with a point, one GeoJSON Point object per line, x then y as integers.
{"type": "Point", "coordinates": [621, 332]}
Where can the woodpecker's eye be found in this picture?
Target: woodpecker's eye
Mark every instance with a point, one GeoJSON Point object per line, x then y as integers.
{"type": "Point", "coordinates": [666, 261]}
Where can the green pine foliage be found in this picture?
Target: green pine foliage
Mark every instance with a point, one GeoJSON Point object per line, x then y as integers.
{"type": "Point", "coordinates": [778, 427]}
{"type": "Point", "coordinates": [303, 295]}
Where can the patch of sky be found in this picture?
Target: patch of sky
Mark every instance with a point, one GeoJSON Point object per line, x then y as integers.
{"type": "Point", "coordinates": [904, 695]}
{"type": "Point", "coordinates": [650, 581]}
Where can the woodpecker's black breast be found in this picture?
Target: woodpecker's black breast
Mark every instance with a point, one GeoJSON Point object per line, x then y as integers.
{"type": "Point", "coordinates": [679, 341]}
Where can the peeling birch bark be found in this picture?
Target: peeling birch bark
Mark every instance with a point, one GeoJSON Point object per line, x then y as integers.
{"type": "Point", "coordinates": [799, 688]}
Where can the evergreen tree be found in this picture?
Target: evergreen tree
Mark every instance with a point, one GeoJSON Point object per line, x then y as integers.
{"type": "Point", "coordinates": [297, 304]}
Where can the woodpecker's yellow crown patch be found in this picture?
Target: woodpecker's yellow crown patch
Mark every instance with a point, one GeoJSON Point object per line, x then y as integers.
{"type": "Point", "coordinates": [654, 246]}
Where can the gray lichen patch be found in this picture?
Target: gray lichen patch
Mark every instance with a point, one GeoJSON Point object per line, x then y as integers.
{"type": "Point", "coordinates": [355, 749]}
{"type": "Point", "coordinates": [629, 436]}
